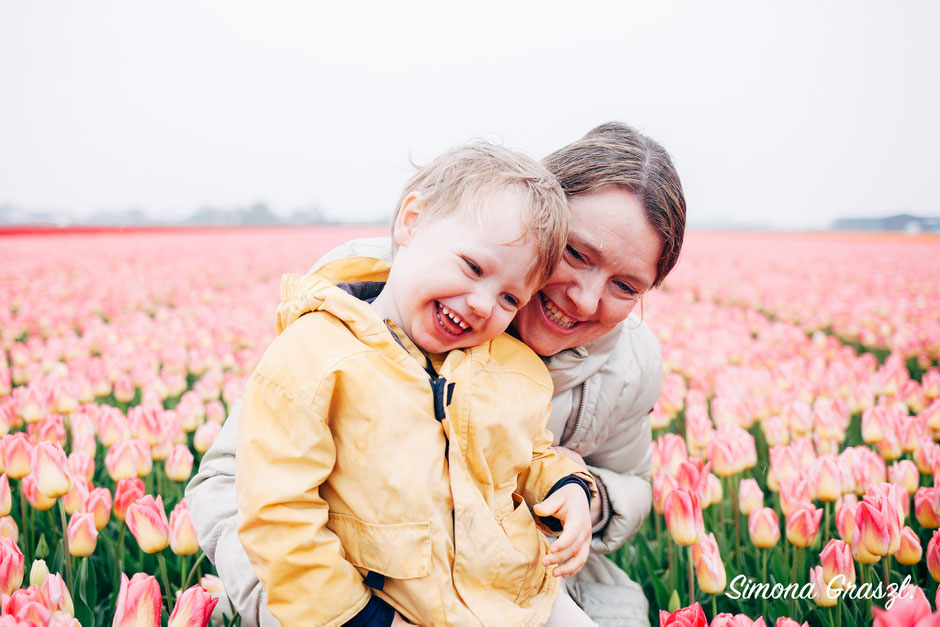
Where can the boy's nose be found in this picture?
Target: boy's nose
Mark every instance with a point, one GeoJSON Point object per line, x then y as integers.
{"type": "Point", "coordinates": [481, 304]}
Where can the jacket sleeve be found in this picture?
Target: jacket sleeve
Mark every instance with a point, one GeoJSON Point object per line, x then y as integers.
{"type": "Point", "coordinates": [211, 499]}
{"type": "Point", "coordinates": [285, 453]}
{"type": "Point", "coordinates": [546, 469]}
{"type": "Point", "coordinates": [621, 462]}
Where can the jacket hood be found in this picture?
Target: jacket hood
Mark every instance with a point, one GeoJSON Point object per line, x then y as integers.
{"type": "Point", "coordinates": [317, 292]}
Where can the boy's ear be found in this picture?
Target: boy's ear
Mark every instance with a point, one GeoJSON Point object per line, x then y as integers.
{"type": "Point", "coordinates": [409, 214]}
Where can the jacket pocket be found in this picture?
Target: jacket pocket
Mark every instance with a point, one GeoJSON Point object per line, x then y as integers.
{"type": "Point", "coordinates": [524, 572]}
{"type": "Point", "coordinates": [396, 550]}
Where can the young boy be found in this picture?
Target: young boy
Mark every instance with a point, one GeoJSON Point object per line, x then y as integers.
{"type": "Point", "coordinates": [392, 437]}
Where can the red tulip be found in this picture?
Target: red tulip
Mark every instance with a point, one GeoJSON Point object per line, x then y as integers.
{"type": "Point", "coordinates": [691, 616]}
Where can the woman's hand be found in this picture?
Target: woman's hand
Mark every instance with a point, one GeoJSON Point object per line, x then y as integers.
{"type": "Point", "coordinates": [596, 511]}
{"type": "Point", "coordinates": [569, 504]}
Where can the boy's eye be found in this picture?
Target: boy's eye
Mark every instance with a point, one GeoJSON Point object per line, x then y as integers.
{"type": "Point", "coordinates": [474, 268]}
{"type": "Point", "coordinates": [573, 253]}
{"type": "Point", "coordinates": [512, 300]}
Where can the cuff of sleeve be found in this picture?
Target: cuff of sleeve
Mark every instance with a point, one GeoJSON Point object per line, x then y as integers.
{"type": "Point", "coordinates": [605, 506]}
{"type": "Point", "coordinates": [376, 613]}
{"type": "Point", "coordinates": [553, 523]}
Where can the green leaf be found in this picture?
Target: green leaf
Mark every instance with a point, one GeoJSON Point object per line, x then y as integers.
{"type": "Point", "coordinates": [82, 611]}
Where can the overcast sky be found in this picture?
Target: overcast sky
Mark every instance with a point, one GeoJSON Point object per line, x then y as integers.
{"type": "Point", "coordinates": [787, 113]}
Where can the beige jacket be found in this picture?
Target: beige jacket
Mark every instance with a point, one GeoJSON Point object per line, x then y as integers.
{"type": "Point", "coordinates": [343, 470]}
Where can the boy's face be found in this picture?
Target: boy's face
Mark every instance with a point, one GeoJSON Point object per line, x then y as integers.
{"type": "Point", "coordinates": [458, 280]}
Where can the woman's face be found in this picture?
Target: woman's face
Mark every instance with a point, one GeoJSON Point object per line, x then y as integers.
{"type": "Point", "coordinates": [611, 256]}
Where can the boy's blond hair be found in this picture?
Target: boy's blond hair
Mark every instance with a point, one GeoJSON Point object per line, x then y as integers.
{"type": "Point", "coordinates": [472, 171]}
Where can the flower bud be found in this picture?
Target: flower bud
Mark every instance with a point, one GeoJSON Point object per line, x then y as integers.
{"type": "Point", "coordinates": [750, 496]}
{"type": "Point", "coordinates": [98, 502]}
{"type": "Point", "coordinates": [38, 572]}
{"type": "Point", "coordinates": [50, 469]}
{"type": "Point", "coordinates": [684, 516]}
{"type": "Point", "coordinates": [803, 524]}
{"type": "Point", "coordinates": [179, 463]}
{"type": "Point", "coordinates": [182, 534]}
{"type": "Point", "coordinates": [138, 603]}
{"type": "Point", "coordinates": [911, 550]}
{"type": "Point", "coordinates": [16, 449]}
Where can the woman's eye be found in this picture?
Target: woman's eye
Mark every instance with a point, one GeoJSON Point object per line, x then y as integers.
{"type": "Point", "coordinates": [626, 288]}
{"type": "Point", "coordinates": [474, 268]}
{"type": "Point", "coordinates": [573, 253]}
{"type": "Point", "coordinates": [512, 300]}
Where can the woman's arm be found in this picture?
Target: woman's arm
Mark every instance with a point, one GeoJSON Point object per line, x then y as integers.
{"type": "Point", "coordinates": [211, 499]}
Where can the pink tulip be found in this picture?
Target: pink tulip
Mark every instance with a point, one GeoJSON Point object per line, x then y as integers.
{"type": "Point", "coordinates": [821, 591]}
{"type": "Point", "coordinates": [905, 474]}
{"type": "Point", "coordinates": [36, 499]}
{"type": "Point", "coordinates": [793, 492]}
{"type": "Point", "coordinates": [54, 596]}
{"type": "Point", "coordinates": [76, 496]}
{"type": "Point", "coordinates": [182, 534]}
{"type": "Point", "coordinates": [82, 465]}
{"type": "Point", "coordinates": [146, 518]}
{"type": "Point", "coordinates": [764, 527]}
{"type": "Point", "coordinates": [138, 603]}
{"type": "Point", "coordinates": [16, 449]}
{"type": "Point", "coordinates": [63, 619]}
{"type": "Point", "coordinates": [684, 516]}
{"type": "Point", "coordinates": [83, 535]}
{"type": "Point", "coordinates": [803, 524]}
{"type": "Point", "coordinates": [908, 606]}
{"type": "Point", "coordinates": [825, 478]}
{"type": "Point", "coordinates": [193, 609]}
{"type": "Point", "coordinates": [6, 498]}
{"type": "Point", "coordinates": [663, 484]}
{"type": "Point", "coordinates": [933, 556]}
{"type": "Point", "coordinates": [709, 569]}
{"type": "Point", "coordinates": [750, 496]}
{"type": "Point", "coordinates": [112, 426]}
{"type": "Point", "coordinates": [205, 436]}
{"type": "Point", "coordinates": [12, 566]}
{"type": "Point", "coordinates": [98, 502]}
{"type": "Point", "coordinates": [125, 494]}
{"type": "Point", "coordinates": [8, 528]}
{"type": "Point", "coordinates": [122, 460]}
{"type": "Point", "coordinates": [179, 463]}
{"type": "Point", "coordinates": [911, 550]}
{"type": "Point", "coordinates": [693, 474]}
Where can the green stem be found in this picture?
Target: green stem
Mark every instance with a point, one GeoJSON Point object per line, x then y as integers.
{"type": "Point", "coordinates": [119, 558]}
{"type": "Point", "coordinates": [764, 553]}
{"type": "Point", "coordinates": [691, 579]}
{"type": "Point", "coordinates": [192, 572]}
{"type": "Point", "coordinates": [827, 507]}
{"type": "Point", "coordinates": [24, 525]}
{"type": "Point", "coordinates": [886, 569]}
{"type": "Point", "coordinates": [673, 580]}
{"type": "Point", "coordinates": [735, 507]}
{"type": "Point", "coordinates": [166, 581]}
{"type": "Point", "coordinates": [67, 555]}
{"type": "Point", "coordinates": [714, 606]}
{"type": "Point", "coordinates": [794, 571]}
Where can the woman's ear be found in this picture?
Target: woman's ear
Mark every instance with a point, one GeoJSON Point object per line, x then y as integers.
{"type": "Point", "coordinates": [409, 214]}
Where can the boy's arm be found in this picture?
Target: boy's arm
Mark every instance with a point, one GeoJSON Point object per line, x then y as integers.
{"type": "Point", "coordinates": [285, 452]}
{"type": "Point", "coordinates": [547, 468]}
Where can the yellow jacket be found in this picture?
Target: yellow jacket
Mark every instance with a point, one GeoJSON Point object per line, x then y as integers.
{"type": "Point", "coordinates": [342, 468]}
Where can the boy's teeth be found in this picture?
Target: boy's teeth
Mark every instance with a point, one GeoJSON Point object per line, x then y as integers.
{"type": "Point", "coordinates": [463, 325]}
{"type": "Point", "coordinates": [555, 315]}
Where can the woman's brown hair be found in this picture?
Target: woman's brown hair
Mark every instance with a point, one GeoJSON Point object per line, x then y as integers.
{"type": "Point", "coordinates": [614, 153]}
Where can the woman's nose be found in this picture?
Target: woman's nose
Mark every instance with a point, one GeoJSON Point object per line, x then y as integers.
{"type": "Point", "coordinates": [585, 295]}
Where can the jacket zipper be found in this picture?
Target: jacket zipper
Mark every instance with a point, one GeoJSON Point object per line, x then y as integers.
{"type": "Point", "coordinates": [577, 424]}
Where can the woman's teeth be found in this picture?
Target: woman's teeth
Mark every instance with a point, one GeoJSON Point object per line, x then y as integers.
{"type": "Point", "coordinates": [460, 323]}
{"type": "Point", "coordinates": [555, 315]}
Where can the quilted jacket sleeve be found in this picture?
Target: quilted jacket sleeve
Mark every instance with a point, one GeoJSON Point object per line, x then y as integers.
{"type": "Point", "coordinates": [211, 499]}
{"type": "Point", "coordinates": [621, 462]}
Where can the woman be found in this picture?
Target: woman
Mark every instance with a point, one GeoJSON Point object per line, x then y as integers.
{"type": "Point", "coordinates": [627, 226]}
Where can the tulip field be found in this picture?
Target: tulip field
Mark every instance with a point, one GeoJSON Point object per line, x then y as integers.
{"type": "Point", "coordinates": [795, 448]}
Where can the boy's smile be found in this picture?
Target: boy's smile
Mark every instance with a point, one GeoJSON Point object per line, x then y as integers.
{"type": "Point", "coordinates": [457, 280]}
